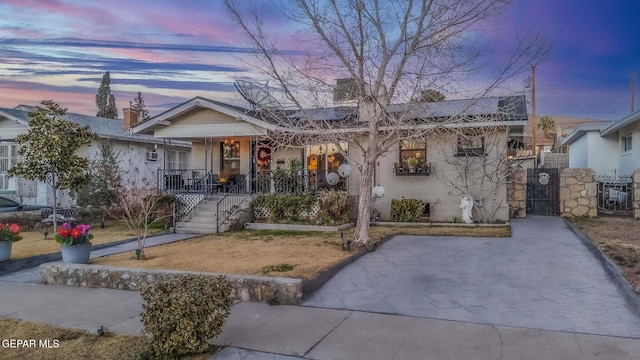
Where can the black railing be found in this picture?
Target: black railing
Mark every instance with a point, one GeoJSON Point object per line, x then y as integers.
{"type": "Point", "coordinates": [235, 195]}
{"type": "Point", "coordinates": [179, 180]}
{"type": "Point", "coordinates": [615, 195]}
{"type": "Point", "coordinates": [279, 181]}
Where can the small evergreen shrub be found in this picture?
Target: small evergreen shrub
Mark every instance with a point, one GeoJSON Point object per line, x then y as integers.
{"type": "Point", "coordinates": [334, 207]}
{"type": "Point", "coordinates": [406, 210]}
{"type": "Point", "coordinates": [183, 313]}
{"type": "Point", "coordinates": [286, 208]}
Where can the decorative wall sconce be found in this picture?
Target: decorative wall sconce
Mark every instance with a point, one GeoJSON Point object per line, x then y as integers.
{"type": "Point", "coordinates": [378, 191]}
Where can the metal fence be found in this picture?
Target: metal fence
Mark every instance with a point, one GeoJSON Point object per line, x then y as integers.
{"type": "Point", "coordinates": [285, 182]}
{"type": "Point", "coordinates": [615, 195]}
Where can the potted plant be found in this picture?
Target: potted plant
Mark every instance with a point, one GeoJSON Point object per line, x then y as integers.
{"type": "Point", "coordinates": [412, 162]}
{"type": "Point", "coordinates": [8, 235]}
{"type": "Point", "coordinates": [76, 243]}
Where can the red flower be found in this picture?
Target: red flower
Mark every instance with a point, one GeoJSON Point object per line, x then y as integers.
{"type": "Point", "coordinates": [1, 226]}
{"type": "Point", "coordinates": [64, 231]}
{"type": "Point", "coordinates": [75, 233]}
{"type": "Point", "coordinates": [15, 229]}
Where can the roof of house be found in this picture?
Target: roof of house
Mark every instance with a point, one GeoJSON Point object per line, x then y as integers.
{"type": "Point", "coordinates": [509, 108]}
{"type": "Point", "coordinates": [103, 127]}
{"type": "Point", "coordinates": [582, 129]}
{"type": "Point", "coordinates": [629, 119]}
{"type": "Point", "coordinates": [241, 113]}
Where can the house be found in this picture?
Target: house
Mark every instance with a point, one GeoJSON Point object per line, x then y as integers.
{"type": "Point", "coordinates": [143, 152]}
{"type": "Point", "coordinates": [611, 149]}
{"type": "Point", "coordinates": [230, 141]}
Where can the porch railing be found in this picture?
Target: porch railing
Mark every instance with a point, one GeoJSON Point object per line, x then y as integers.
{"type": "Point", "coordinates": [180, 180]}
{"type": "Point", "coordinates": [278, 181]}
{"type": "Point", "coordinates": [232, 199]}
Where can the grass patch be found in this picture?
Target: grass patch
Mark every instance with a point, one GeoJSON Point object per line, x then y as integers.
{"type": "Point", "coordinates": [34, 243]}
{"type": "Point", "coordinates": [619, 239]}
{"type": "Point", "coordinates": [277, 268]}
{"type": "Point", "coordinates": [255, 252]}
{"type": "Point", "coordinates": [73, 344]}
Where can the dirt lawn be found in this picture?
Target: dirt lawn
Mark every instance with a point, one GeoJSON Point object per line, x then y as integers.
{"type": "Point", "coordinates": [33, 242]}
{"type": "Point", "coordinates": [301, 255]}
{"type": "Point", "coordinates": [72, 344]}
{"type": "Point", "coordinates": [619, 238]}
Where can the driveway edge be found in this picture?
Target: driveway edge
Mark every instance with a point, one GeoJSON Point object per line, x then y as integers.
{"type": "Point", "coordinates": [612, 269]}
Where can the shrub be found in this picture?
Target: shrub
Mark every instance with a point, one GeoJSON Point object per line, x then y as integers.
{"type": "Point", "coordinates": [286, 207]}
{"type": "Point", "coordinates": [182, 314]}
{"type": "Point", "coordinates": [334, 207]}
{"type": "Point", "coordinates": [406, 210]}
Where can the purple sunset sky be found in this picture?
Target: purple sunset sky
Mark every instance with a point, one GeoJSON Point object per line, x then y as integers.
{"type": "Point", "coordinates": [174, 50]}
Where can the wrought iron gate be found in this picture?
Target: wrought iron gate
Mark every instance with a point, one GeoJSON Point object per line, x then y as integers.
{"type": "Point", "coordinates": [543, 191]}
{"type": "Point", "coordinates": [615, 195]}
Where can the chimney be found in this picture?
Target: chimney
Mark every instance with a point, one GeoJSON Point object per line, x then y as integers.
{"type": "Point", "coordinates": [130, 118]}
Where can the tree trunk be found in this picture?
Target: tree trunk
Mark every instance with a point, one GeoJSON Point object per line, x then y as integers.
{"type": "Point", "coordinates": [361, 234]}
{"type": "Point", "coordinates": [55, 206]}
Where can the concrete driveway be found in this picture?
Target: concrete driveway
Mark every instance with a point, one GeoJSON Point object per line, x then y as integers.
{"type": "Point", "coordinates": [543, 277]}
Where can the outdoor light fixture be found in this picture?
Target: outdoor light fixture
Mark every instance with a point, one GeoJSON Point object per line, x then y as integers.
{"type": "Point", "coordinates": [378, 191]}
{"type": "Point", "coordinates": [344, 170]}
{"type": "Point", "coordinates": [332, 178]}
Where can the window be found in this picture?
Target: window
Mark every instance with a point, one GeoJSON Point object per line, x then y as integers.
{"type": "Point", "coordinates": [413, 158]}
{"type": "Point", "coordinates": [626, 143]}
{"type": "Point", "coordinates": [178, 160]}
{"type": "Point", "coordinates": [413, 152]}
{"type": "Point", "coordinates": [8, 158]}
{"type": "Point", "coordinates": [470, 144]}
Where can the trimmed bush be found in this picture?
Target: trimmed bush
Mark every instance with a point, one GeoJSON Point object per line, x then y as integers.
{"type": "Point", "coordinates": [406, 210]}
{"type": "Point", "coordinates": [181, 315]}
{"type": "Point", "coordinates": [286, 208]}
{"type": "Point", "coordinates": [334, 207]}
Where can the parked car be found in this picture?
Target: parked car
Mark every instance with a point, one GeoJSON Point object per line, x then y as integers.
{"type": "Point", "coordinates": [8, 205]}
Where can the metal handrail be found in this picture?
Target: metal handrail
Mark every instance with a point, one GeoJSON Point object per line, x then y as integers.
{"type": "Point", "coordinates": [229, 203]}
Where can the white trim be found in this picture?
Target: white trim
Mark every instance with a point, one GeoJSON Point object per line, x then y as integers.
{"type": "Point", "coordinates": [198, 102]}
{"type": "Point", "coordinates": [209, 130]}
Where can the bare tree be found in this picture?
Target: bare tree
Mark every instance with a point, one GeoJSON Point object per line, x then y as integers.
{"type": "Point", "coordinates": [138, 204]}
{"type": "Point", "coordinates": [391, 49]}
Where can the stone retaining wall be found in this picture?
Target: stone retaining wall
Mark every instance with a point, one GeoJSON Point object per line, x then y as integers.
{"type": "Point", "coordinates": [244, 287]}
{"type": "Point", "coordinates": [578, 191]}
{"type": "Point", "coordinates": [636, 194]}
{"type": "Point", "coordinates": [517, 194]}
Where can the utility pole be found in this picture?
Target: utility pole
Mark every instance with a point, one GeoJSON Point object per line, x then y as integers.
{"type": "Point", "coordinates": [533, 115]}
{"type": "Point", "coordinates": [633, 90]}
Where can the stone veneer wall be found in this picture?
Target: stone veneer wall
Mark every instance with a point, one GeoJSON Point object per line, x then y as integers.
{"type": "Point", "coordinates": [244, 287]}
{"type": "Point", "coordinates": [578, 191]}
{"type": "Point", "coordinates": [636, 194]}
{"type": "Point", "coordinates": [517, 193]}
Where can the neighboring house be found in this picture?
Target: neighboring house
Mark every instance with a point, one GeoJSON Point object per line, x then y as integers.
{"type": "Point", "coordinates": [231, 141]}
{"type": "Point", "coordinates": [611, 149]}
{"type": "Point", "coordinates": [143, 152]}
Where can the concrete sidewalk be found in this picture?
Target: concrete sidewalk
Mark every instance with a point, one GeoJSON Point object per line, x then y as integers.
{"type": "Point", "coordinates": [258, 331]}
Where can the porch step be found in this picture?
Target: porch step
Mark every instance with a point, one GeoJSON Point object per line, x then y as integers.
{"type": "Point", "coordinates": [202, 219]}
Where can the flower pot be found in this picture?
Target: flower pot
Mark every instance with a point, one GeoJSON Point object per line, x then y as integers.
{"type": "Point", "coordinates": [5, 250]}
{"type": "Point", "coordinates": [76, 254]}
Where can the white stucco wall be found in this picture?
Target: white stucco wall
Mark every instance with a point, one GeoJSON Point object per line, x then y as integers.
{"type": "Point", "coordinates": [578, 152]}
{"type": "Point", "coordinates": [602, 153]}
{"type": "Point", "coordinates": [628, 161]}
{"type": "Point", "coordinates": [433, 189]}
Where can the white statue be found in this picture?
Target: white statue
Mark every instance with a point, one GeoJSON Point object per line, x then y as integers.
{"type": "Point", "coordinates": [466, 204]}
